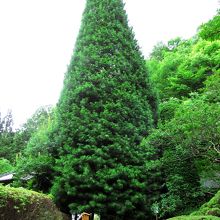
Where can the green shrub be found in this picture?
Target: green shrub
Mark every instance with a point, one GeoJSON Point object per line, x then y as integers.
{"type": "Point", "coordinates": [22, 204]}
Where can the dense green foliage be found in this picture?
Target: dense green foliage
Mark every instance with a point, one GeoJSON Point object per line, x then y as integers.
{"type": "Point", "coordinates": [13, 142]}
{"type": "Point", "coordinates": [190, 151]}
{"type": "Point", "coordinates": [186, 75]}
{"type": "Point", "coordinates": [6, 136]}
{"type": "Point", "coordinates": [37, 159]}
{"type": "Point", "coordinates": [210, 30]}
{"type": "Point", "coordinates": [22, 204]}
{"type": "Point", "coordinates": [212, 207]}
{"type": "Point", "coordinates": [184, 68]}
{"type": "Point", "coordinates": [210, 210]}
{"type": "Point", "coordinates": [5, 166]}
{"type": "Point", "coordinates": [106, 108]}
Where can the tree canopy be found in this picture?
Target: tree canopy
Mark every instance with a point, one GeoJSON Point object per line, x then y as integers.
{"type": "Point", "coordinates": [105, 109]}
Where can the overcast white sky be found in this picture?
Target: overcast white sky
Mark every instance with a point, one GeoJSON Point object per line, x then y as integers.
{"type": "Point", "coordinates": [37, 38]}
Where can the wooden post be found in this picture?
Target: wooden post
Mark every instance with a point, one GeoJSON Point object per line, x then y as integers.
{"type": "Point", "coordinates": [85, 216]}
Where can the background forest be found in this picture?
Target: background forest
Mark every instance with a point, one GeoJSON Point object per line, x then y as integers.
{"type": "Point", "coordinates": [178, 155]}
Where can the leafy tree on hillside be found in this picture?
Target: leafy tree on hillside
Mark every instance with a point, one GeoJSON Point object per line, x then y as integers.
{"type": "Point", "coordinates": [164, 71]}
{"type": "Point", "coordinates": [189, 139]}
{"type": "Point", "coordinates": [184, 68]}
{"type": "Point", "coordinates": [201, 62]}
{"type": "Point", "coordinates": [37, 158]}
{"type": "Point", "coordinates": [13, 142]}
{"type": "Point", "coordinates": [106, 108]}
{"type": "Point", "coordinates": [23, 135]}
{"type": "Point", "coordinates": [7, 151]}
{"type": "Point", "coordinates": [188, 128]}
{"type": "Point", "coordinates": [33, 123]}
{"type": "Point", "coordinates": [211, 30]}
{"type": "Point", "coordinates": [159, 51]}
{"type": "Point", "coordinates": [211, 89]}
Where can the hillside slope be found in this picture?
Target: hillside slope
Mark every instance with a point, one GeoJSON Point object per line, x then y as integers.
{"type": "Point", "coordinates": [208, 211]}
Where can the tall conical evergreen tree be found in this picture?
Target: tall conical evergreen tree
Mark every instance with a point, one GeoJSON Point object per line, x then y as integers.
{"type": "Point", "coordinates": [106, 108]}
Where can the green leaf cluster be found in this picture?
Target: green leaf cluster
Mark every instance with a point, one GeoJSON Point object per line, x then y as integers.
{"type": "Point", "coordinates": [182, 68]}
{"type": "Point", "coordinates": [211, 30]}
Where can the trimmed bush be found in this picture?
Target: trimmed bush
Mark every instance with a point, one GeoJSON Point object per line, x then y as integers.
{"type": "Point", "coordinates": [22, 204]}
